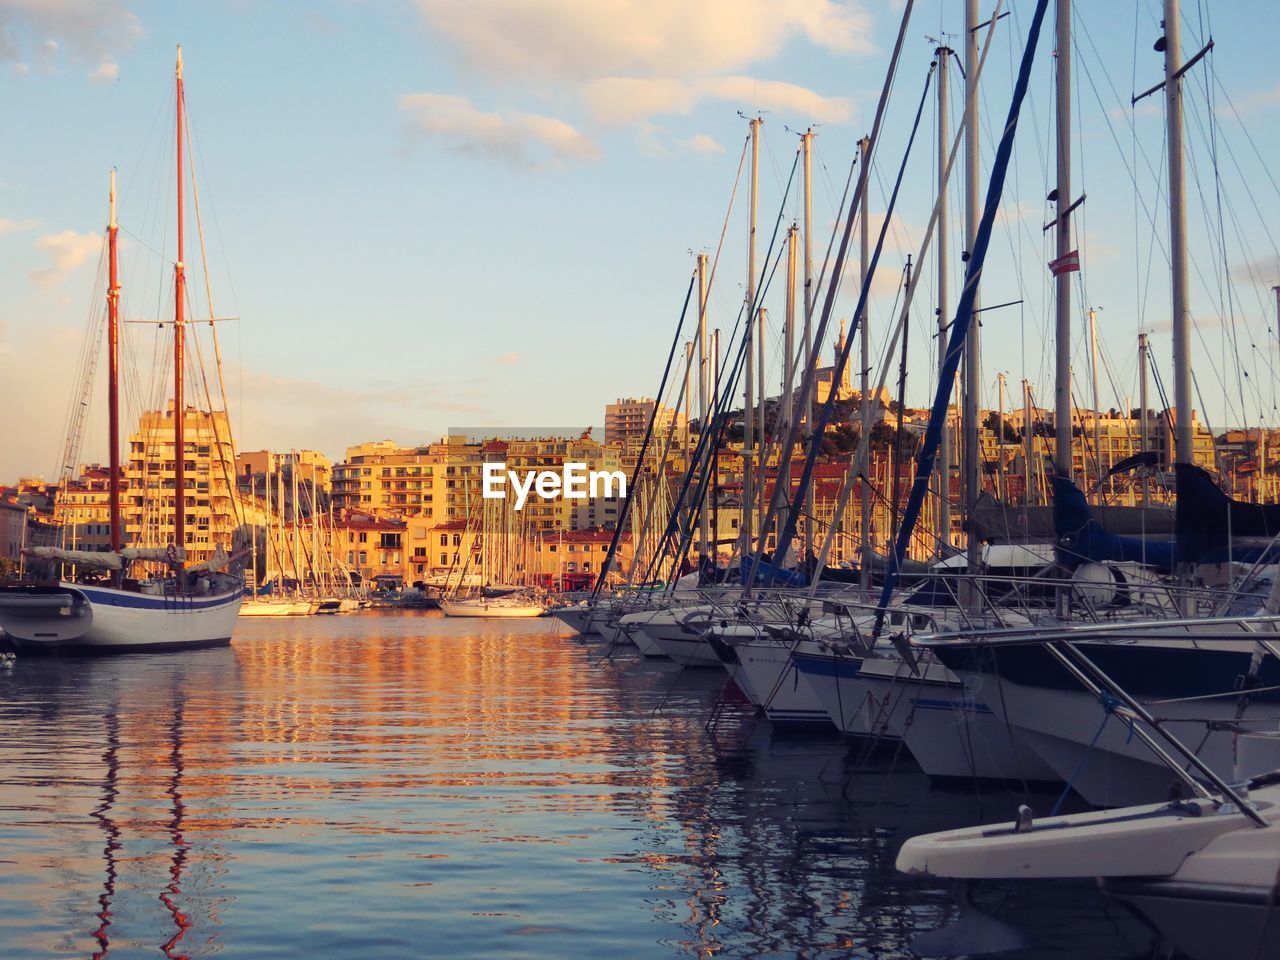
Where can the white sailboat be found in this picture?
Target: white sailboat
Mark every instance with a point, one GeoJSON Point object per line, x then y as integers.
{"type": "Point", "coordinates": [188, 606]}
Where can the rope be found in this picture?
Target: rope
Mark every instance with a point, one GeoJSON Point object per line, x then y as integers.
{"type": "Point", "coordinates": [1109, 705]}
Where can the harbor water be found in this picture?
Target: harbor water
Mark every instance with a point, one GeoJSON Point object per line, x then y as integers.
{"type": "Point", "coordinates": [402, 785]}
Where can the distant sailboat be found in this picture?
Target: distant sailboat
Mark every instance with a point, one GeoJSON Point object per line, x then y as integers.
{"type": "Point", "coordinates": [186, 607]}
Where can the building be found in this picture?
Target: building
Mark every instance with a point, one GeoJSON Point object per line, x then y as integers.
{"type": "Point", "coordinates": [573, 559]}
{"type": "Point", "coordinates": [82, 508]}
{"type": "Point", "coordinates": [210, 503]}
{"type": "Point", "coordinates": [826, 375]}
{"type": "Point", "coordinates": [440, 481]}
{"type": "Point", "coordinates": [628, 418]}
{"type": "Point", "coordinates": [13, 534]}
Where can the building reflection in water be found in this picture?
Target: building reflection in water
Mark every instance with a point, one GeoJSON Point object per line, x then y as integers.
{"type": "Point", "coordinates": [405, 785]}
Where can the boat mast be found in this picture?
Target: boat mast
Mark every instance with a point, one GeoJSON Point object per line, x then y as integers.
{"type": "Point", "coordinates": [942, 57]}
{"type": "Point", "coordinates": [782, 485]}
{"type": "Point", "coordinates": [1144, 435]}
{"type": "Point", "coordinates": [704, 402]}
{"type": "Point", "coordinates": [748, 393]}
{"type": "Point", "coordinates": [1000, 437]}
{"type": "Point", "coordinates": [1029, 445]}
{"type": "Point", "coordinates": [1183, 449]}
{"type": "Point", "coordinates": [807, 401]}
{"type": "Point", "coordinates": [973, 342]}
{"type": "Point", "coordinates": [715, 456]}
{"type": "Point", "coordinates": [113, 371]}
{"type": "Point", "coordinates": [864, 381]}
{"type": "Point", "coordinates": [1097, 408]}
{"type": "Point", "coordinates": [179, 295]}
{"type": "Point", "coordinates": [1062, 230]}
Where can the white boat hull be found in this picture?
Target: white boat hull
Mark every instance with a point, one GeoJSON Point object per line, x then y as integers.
{"type": "Point", "coordinates": [763, 670]}
{"type": "Point", "coordinates": [952, 734]}
{"type": "Point", "coordinates": [275, 608]}
{"type": "Point", "coordinates": [680, 634]}
{"type": "Point", "coordinates": [493, 611]}
{"type": "Point", "coordinates": [70, 616]}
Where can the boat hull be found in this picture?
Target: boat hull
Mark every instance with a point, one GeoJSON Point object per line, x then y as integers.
{"type": "Point", "coordinates": [763, 670]}
{"type": "Point", "coordinates": [69, 617]}
{"type": "Point", "coordinates": [492, 611]}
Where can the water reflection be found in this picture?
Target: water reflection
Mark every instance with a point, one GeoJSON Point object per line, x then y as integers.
{"type": "Point", "coordinates": [404, 785]}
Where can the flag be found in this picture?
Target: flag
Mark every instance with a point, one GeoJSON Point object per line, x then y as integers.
{"type": "Point", "coordinates": [1066, 263]}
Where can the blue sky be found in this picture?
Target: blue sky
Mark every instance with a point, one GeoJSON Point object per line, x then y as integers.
{"type": "Point", "coordinates": [450, 212]}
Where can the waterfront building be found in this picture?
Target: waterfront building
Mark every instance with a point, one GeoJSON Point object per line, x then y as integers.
{"type": "Point", "coordinates": [210, 503]}
{"type": "Point", "coordinates": [82, 508]}
{"type": "Point", "coordinates": [628, 419]}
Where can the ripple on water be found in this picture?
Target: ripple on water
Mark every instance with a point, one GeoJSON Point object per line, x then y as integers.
{"type": "Point", "coordinates": [401, 785]}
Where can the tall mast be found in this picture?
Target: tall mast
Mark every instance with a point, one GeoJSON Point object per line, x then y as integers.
{"type": "Point", "coordinates": [1183, 449]}
{"type": "Point", "coordinates": [864, 381]}
{"type": "Point", "coordinates": [1097, 408]}
{"type": "Point", "coordinates": [1000, 494]}
{"type": "Point", "coordinates": [782, 485]}
{"type": "Point", "coordinates": [704, 401]}
{"type": "Point", "coordinates": [973, 341]}
{"type": "Point", "coordinates": [686, 403]}
{"type": "Point", "coordinates": [1062, 231]}
{"type": "Point", "coordinates": [1028, 445]}
{"type": "Point", "coordinates": [807, 411]}
{"type": "Point", "coordinates": [269, 539]}
{"type": "Point", "coordinates": [113, 370]}
{"type": "Point", "coordinates": [942, 56]}
{"type": "Point", "coordinates": [179, 295]}
{"type": "Point", "coordinates": [748, 392]}
{"type": "Point", "coordinates": [715, 453]}
{"type": "Point", "coordinates": [1144, 436]}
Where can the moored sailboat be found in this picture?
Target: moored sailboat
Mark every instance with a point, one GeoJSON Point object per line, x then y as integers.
{"type": "Point", "coordinates": [184, 606]}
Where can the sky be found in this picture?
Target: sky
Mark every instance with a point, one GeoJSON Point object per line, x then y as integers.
{"type": "Point", "coordinates": [425, 214]}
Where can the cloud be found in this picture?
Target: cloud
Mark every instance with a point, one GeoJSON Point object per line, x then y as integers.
{"type": "Point", "coordinates": [1259, 100]}
{"type": "Point", "coordinates": [509, 359]}
{"type": "Point", "coordinates": [521, 139]}
{"type": "Point", "coordinates": [66, 251]}
{"type": "Point", "coordinates": [627, 99]}
{"type": "Point", "coordinates": [1264, 272]}
{"type": "Point", "coordinates": [574, 40]}
{"type": "Point", "coordinates": [701, 143]}
{"type": "Point", "coordinates": [89, 31]}
{"type": "Point", "coordinates": [16, 226]}
{"type": "Point", "coordinates": [273, 411]}
{"type": "Point", "coordinates": [105, 72]}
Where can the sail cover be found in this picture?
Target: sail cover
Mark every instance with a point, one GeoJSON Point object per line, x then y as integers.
{"type": "Point", "coordinates": [1081, 538]}
{"type": "Point", "coordinates": [1213, 528]}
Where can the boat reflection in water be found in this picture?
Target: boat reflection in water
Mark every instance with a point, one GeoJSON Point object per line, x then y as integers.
{"type": "Point", "coordinates": [406, 785]}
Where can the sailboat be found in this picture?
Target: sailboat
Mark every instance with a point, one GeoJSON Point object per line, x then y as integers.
{"type": "Point", "coordinates": [185, 607]}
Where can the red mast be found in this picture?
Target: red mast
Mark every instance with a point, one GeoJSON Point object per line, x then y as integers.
{"type": "Point", "coordinates": [179, 291]}
{"type": "Point", "coordinates": [113, 366]}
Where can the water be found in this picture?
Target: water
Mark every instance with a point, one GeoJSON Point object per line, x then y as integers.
{"type": "Point", "coordinates": [403, 785]}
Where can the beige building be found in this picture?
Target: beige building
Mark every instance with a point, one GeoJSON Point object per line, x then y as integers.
{"type": "Point", "coordinates": [628, 419]}
{"type": "Point", "coordinates": [209, 501]}
{"type": "Point", "coordinates": [82, 508]}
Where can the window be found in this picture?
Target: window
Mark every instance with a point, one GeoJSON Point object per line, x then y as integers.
{"type": "Point", "coordinates": [364, 557]}
{"type": "Point", "coordinates": [364, 538]}
{"type": "Point", "coordinates": [419, 551]}
{"type": "Point", "coordinates": [444, 539]}
{"type": "Point", "coordinates": [444, 559]}
{"type": "Point", "coordinates": [457, 539]}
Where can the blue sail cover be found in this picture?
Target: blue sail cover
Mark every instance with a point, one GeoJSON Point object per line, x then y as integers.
{"type": "Point", "coordinates": [962, 321]}
{"type": "Point", "coordinates": [1213, 528]}
{"type": "Point", "coordinates": [1081, 538]}
{"type": "Point", "coordinates": [770, 575]}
